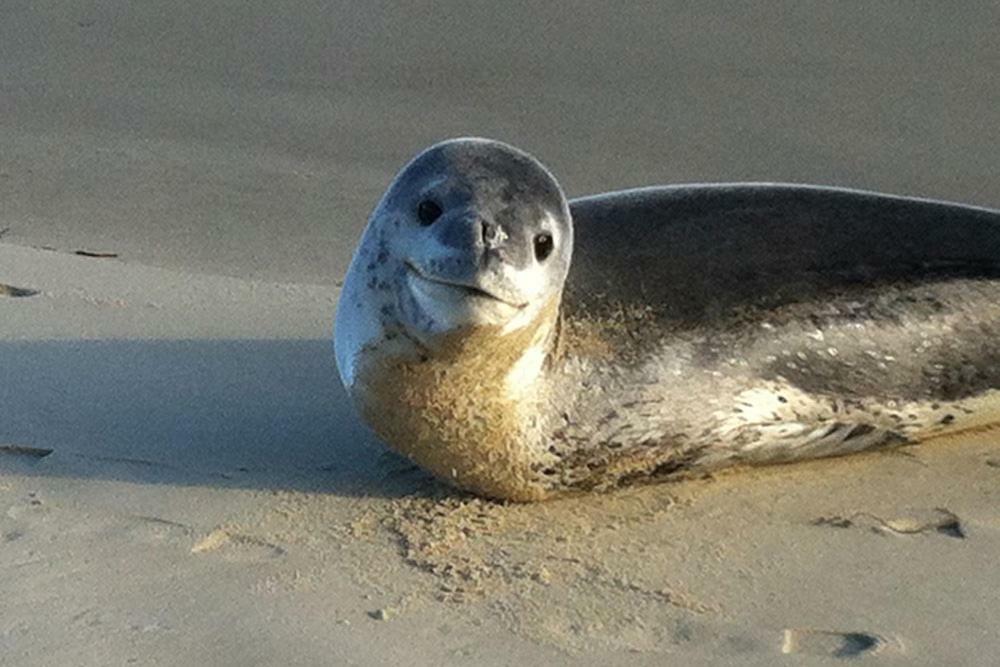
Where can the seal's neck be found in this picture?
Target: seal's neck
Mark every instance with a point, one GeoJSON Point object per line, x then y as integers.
{"type": "Point", "coordinates": [365, 309]}
{"type": "Point", "coordinates": [467, 410]}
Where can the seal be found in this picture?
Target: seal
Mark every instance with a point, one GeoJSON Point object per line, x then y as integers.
{"type": "Point", "coordinates": [523, 347]}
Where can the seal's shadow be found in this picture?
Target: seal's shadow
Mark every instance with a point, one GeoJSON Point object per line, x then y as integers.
{"type": "Point", "coordinates": [264, 414]}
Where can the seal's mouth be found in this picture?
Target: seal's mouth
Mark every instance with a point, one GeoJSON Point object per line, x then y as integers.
{"type": "Point", "coordinates": [465, 289]}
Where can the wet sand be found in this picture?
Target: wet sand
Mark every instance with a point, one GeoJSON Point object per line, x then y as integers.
{"type": "Point", "coordinates": [181, 479]}
{"type": "Point", "coordinates": [252, 139]}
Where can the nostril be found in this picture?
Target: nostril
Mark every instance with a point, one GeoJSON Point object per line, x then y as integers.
{"type": "Point", "coordinates": [492, 234]}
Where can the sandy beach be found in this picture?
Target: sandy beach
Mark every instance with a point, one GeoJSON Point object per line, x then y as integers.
{"type": "Point", "coordinates": [182, 481]}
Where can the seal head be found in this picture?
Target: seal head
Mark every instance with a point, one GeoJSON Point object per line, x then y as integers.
{"type": "Point", "coordinates": [450, 307]}
{"type": "Point", "coordinates": [699, 326]}
{"type": "Point", "coordinates": [472, 233]}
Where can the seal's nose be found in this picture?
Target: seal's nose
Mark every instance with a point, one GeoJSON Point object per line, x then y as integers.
{"type": "Point", "coordinates": [493, 235]}
{"type": "Point", "coordinates": [476, 237]}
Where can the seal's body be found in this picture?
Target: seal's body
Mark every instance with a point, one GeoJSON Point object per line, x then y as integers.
{"type": "Point", "coordinates": [521, 346]}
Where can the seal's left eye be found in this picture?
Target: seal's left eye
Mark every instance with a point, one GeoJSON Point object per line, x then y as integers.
{"type": "Point", "coordinates": [543, 247]}
{"type": "Point", "coordinates": [428, 211]}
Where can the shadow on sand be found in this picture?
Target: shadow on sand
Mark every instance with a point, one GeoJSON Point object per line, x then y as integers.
{"type": "Point", "coordinates": [259, 414]}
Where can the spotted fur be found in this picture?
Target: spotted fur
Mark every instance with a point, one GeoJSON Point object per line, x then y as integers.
{"type": "Point", "coordinates": [698, 327]}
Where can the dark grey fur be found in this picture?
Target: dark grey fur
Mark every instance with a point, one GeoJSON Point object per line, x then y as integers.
{"type": "Point", "coordinates": [877, 317]}
{"type": "Point", "coordinates": [700, 326]}
{"type": "Point", "coordinates": [698, 252]}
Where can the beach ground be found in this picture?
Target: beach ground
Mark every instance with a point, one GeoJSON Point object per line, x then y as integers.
{"type": "Point", "coordinates": [181, 479]}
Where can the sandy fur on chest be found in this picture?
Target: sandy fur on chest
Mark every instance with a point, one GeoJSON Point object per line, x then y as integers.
{"type": "Point", "coordinates": [456, 414]}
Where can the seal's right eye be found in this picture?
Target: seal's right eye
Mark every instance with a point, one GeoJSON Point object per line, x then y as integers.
{"type": "Point", "coordinates": [543, 247]}
{"type": "Point", "coordinates": [428, 211]}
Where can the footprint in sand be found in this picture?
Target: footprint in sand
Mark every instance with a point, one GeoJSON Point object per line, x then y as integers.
{"type": "Point", "coordinates": [834, 644]}
{"type": "Point", "coordinates": [237, 547]}
{"type": "Point", "coordinates": [25, 516]}
{"type": "Point", "coordinates": [29, 508]}
{"type": "Point", "coordinates": [154, 530]}
{"type": "Point", "coordinates": [914, 522]}
{"type": "Point", "coordinates": [11, 535]}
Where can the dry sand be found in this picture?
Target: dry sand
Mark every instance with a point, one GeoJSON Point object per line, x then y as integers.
{"type": "Point", "coordinates": [183, 484]}
{"type": "Point", "coordinates": [181, 480]}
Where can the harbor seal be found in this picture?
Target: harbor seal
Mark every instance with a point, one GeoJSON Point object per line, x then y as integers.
{"type": "Point", "coordinates": [522, 347]}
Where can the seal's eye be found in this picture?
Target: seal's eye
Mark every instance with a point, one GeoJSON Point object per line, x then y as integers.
{"type": "Point", "coordinates": [428, 211]}
{"type": "Point", "coordinates": [543, 247]}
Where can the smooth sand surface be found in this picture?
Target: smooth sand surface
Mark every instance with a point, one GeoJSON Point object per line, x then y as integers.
{"type": "Point", "coordinates": [181, 479]}
{"type": "Point", "coordinates": [253, 137]}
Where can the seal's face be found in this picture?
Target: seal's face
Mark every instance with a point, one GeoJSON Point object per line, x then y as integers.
{"type": "Point", "coordinates": [483, 234]}
{"type": "Point", "coordinates": [449, 309]}
{"type": "Point", "coordinates": [472, 233]}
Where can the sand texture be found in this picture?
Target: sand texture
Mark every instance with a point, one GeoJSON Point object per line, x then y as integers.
{"type": "Point", "coordinates": [183, 484]}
